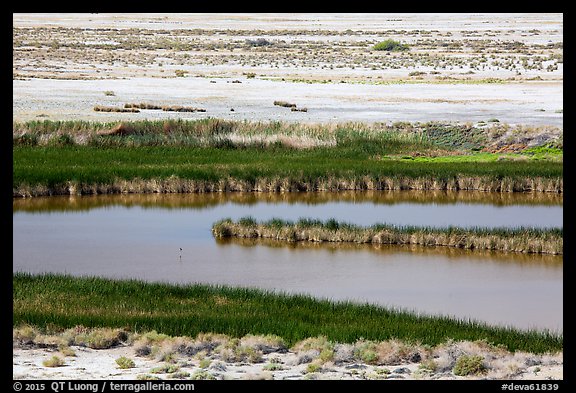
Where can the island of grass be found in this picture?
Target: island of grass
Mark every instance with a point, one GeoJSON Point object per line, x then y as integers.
{"type": "Point", "coordinates": [526, 240]}
{"type": "Point", "coordinates": [58, 302]}
{"type": "Point", "coordinates": [187, 156]}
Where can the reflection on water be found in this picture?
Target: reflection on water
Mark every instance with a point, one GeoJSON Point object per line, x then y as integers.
{"type": "Point", "coordinates": [385, 250]}
{"type": "Point", "coordinates": [139, 236]}
{"type": "Point", "coordinates": [198, 200]}
{"type": "Point", "coordinates": [426, 208]}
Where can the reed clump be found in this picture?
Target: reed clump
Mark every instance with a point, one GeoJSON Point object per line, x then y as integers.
{"type": "Point", "coordinates": [524, 240]}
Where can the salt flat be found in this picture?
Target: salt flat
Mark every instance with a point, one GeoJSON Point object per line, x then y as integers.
{"type": "Point", "coordinates": [460, 67]}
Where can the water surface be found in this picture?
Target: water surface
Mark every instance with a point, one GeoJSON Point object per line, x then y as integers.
{"type": "Point", "coordinates": [140, 236]}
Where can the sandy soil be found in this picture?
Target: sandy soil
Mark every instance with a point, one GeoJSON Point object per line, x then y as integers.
{"type": "Point", "coordinates": [101, 364]}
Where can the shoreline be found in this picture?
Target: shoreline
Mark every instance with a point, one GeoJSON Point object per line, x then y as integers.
{"type": "Point", "coordinates": [276, 185]}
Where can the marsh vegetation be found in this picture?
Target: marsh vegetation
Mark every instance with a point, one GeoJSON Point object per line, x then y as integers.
{"type": "Point", "coordinates": [148, 138]}
{"type": "Point", "coordinates": [64, 301]}
{"type": "Point", "coordinates": [217, 155]}
{"type": "Point", "coordinates": [526, 240]}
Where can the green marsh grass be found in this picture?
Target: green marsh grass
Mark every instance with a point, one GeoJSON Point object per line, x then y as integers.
{"type": "Point", "coordinates": [91, 170]}
{"type": "Point", "coordinates": [51, 300]}
{"type": "Point", "coordinates": [78, 157]}
{"type": "Point", "coordinates": [525, 240]}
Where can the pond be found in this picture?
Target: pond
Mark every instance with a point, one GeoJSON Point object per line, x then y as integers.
{"type": "Point", "coordinates": [140, 236]}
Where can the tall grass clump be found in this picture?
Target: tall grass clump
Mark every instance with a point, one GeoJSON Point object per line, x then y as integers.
{"type": "Point", "coordinates": [65, 302]}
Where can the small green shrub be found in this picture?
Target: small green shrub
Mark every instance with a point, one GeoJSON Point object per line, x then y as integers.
{"type": "Point", "coordinates": [313, 367]}
{"type": "Point", "coordinates": [180, 375]}
{"type": "Point", "coordinates": [273, 367]}
{"type": "Point", "coordinates": [123, 362]}
{"type": "Point", "coordinates": [101, 338]}
{"type": "Point", "coordinates": [428, 365]}
{"type": "Point", "coordinates": [390, 45]}
{"type": "Point", "coordinates": [469, 365]}
{"type": "Point", "coordinates": [366, 352]}
{"type": "Point", "coordinates": [54, 361]}
{"type": "Point", "coordinates": [165, 369]}
{"type": "Point", "coordinates": [66, 350]}
{"type": "Point", "coordinates": [147, 377]}
{"type": "Point", "coordinates": [202, 374]}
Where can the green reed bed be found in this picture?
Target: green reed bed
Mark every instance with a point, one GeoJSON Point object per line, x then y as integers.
{"type": "Point", "coordinates": [525, 240]}
{"type": "Point", "coordinates": [78, 157]}
{"type": "Point", "coordinates": [77, 169]}
{"type": "Point", "coordinates": [50, 300]}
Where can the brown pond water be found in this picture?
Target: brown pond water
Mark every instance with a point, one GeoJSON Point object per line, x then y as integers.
{"type": "Point", "coordinates": [140, 236]}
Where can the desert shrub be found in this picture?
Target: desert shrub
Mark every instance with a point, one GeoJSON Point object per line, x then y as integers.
{"type": "Point", "coordinates": [469, 365]}
{"type": "Point", "coordinates": [165, 369]}
{"type": "Point", "coordinates": [99, 338]}
{"type": "Point", "coordinates": [65, 350]}
{"type": "Point", "coordinates": [390, 45]}
{"type": "Point", "coordinates": [123, 362]}
{"type": "Point", "coordinates": [366, 352]}
{"type": "Point", "coordinates": [202, 375]}
{"type": "Point", "coordinates": [258, 42]}
{"type": "Point", "coordinates": [273, 367]}
{"type": "Point", "coordinates": [313, 367]}
{"type": "Point", "coordinates": [54, 361]}
{"type": "Point", "coordinates": [179, 375]}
